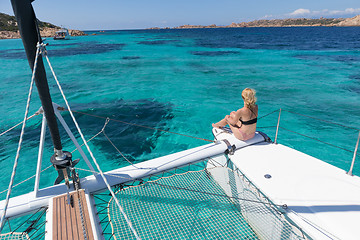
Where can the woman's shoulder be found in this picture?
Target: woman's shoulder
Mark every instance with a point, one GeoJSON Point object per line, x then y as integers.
{"type": "Point", "coordinates": [241, 110]}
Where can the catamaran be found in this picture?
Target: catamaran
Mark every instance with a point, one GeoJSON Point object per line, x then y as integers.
{"type": "Point", "coordinates": [227, 189]}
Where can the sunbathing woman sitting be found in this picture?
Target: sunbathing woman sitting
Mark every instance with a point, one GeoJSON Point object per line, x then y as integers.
{"type": "Point", "coordinates": [243, 121]}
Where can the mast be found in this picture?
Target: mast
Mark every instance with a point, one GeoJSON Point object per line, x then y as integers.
{"type": "Point", "coordinates": [30, 34]}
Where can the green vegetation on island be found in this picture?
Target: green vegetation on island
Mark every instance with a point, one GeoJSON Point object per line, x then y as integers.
{"type": "Point", "coordinates": [8, 23]}
{"type": "Point", "coordinates": [9, 28]}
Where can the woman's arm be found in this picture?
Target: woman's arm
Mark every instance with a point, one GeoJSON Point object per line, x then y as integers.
{"type": "Point", "coordinates": [233, 118]}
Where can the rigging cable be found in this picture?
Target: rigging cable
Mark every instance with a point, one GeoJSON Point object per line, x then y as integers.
{"type": "Point", "coordinates": [21, 138]}
{"type": "Point", "coordinates": [103, 131]}
{"type": "Point", "coordinates": [90, 152]}
{"type": "Point", "coordinates": [35, 114]}
{"type": "Point", "coordinates": [138, 125]}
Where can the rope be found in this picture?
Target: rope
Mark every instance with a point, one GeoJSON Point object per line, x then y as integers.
{"type": "Point", "coordinates": [71, 152]}
{"type": "Point", "coordinates": [156, 129]}
{"type": "Point", "coordinates": [103, 131]}
{"type": "Point", "coordinates": [21, 137]}
{"type": "Point", "coordinates": [106, 122]}
{"type": "Point", "coordinates": [90, 152]}
{"type": "Point", "coordinates": [268, 114]}
{"type": "Point", "coordinates": [319, 140]}
{"type": "Point", "coordinates": [323, 231]}
{"type": "Point", "coordinates": [338, 124]}
{"type": "Point", "coordinates": [142, 126]}
{"type": "Point", "coordinates": [35, 114]}
{"type": "Point", "coordinates": [27, 179]}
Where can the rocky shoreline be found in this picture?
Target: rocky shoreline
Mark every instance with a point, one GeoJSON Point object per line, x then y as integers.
{"type": "Point", "coordinates": [45, 32]}
{"type": "Point", "coordinates": [291, 22]}
{"type": "Point", "coordinates": [50, 30]}
{"type": "Point", "coordinates": [9, 28]}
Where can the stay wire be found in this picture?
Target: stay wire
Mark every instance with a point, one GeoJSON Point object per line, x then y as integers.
{"type": "Point", "coordinates": [39, 46]}
{"type": "Point", "coordinates": [89, 150]}
{"type": "Point", "coordinates": [142, 126]}
{"type": "Point", "coordinates": [35, 114]}
{"type": "Point", "coordinates": [103, 131]}
{"type": "Point", "coordinates": [326, 121]}
{"type": "Point", "coordinates": [268, 114]}
{"type": "Point", "coordinates": [318, 140]}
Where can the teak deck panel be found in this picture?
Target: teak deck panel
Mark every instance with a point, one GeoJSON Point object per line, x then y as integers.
{"type": "Point", "coordinates": [67, 220]}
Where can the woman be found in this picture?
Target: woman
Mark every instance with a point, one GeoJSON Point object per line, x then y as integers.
{"type": "Point", "coordinates": [243, 121]}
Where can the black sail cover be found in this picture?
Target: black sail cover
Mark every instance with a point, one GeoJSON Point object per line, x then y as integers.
{"type": "Point", "coordinates": [30, 35]}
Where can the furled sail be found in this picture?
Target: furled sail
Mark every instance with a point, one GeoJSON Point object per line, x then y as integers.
{"type": "Point", "coordinates": [30, 35]}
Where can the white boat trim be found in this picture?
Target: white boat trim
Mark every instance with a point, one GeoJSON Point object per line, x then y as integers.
{"type": "Point", "coordinates": [49, 221]}
{"type": "Point", "coordinates": [28, 202]}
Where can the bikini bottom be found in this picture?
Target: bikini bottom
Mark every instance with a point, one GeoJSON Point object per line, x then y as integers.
{"type": "Point", "coordinates": [246, 136]}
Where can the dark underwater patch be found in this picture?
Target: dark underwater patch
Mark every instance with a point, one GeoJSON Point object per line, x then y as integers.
{"type": "Point", "coordinates": [130, 57]}
{"type": "Point", "coordinates": [355, 77]}
{"type": "Point", "coordinates": [346, 58]}
{"type": "Point", "coordinates": [201, 67]}
{"type": "Point", "coordinates": [157, 42]}
{"type": "Point", "coordinates": [352, 88]}
{"type": "Point", "coordinates": [212, 53]}
{"type": "Point", "coordinates": [63, 44]}
{"type": "Point", "coordinates": [13, 54]}
{"type": "Point", "coordinates": [308, 57]}
{"type": "Point", "coordinates": [131, 139]}
{"type": "Point", "coordinates": [86, 48]}
{"type": "Point", "coordinates": [339, 58]}
{"type": "Point", "coordinates": [79, 49]}
{"type": "Point", "coordinates": [30, 139]}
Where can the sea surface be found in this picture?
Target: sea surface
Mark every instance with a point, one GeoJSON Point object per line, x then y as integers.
{"type": "Point", "coordinates": [182, 81]}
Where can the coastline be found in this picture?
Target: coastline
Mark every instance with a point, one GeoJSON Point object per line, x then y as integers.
{"type": "Point", "coordinates": [290, 22]}
{"type": "Point", "coordinates": [45, 32]}
{"type": "Point", "coordinates": [9, 28]}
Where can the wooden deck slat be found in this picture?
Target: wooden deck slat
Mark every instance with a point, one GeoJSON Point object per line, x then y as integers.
{"type": "Point", "coordinates": [74, 219]}
{"type": "Point", "coordinates": [67, 220]}
{"type": "Point", "coordinates": [69, 223]}
{"type": "Point", "coordinates": [62, 213]}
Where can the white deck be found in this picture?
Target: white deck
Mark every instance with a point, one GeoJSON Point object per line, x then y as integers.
{"type": "Point", "coordinates": [316, 191]}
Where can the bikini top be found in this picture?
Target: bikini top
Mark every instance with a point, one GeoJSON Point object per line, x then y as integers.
{"type": "Point", "coordinates": [252, 121]}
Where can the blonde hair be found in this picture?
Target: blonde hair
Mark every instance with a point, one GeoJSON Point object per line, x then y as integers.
{"type": "Point", "coordinates": [248, 94]}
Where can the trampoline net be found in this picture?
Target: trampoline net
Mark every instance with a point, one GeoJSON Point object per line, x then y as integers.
{"type": "Point", "coordinates": [14, 236]}
{"type": "Point", "coordinates": [202, 201]}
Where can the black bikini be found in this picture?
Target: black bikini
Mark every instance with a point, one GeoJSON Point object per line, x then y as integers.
{"type": "Point", "coordinates": [252, 121]}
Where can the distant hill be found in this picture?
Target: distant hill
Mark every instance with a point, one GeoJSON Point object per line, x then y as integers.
{"type": "Point", "coordinates": [290, 22]}
{"type": "Point", "coordinates": [8, 23]}
{"type": "Point", "coordinates": [9, 28]}
{"type": "Point", "coordinates": [355, 21]}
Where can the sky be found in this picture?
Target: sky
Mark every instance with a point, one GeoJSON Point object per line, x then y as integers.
{"type": "Point", "coordinates": [141, 14]}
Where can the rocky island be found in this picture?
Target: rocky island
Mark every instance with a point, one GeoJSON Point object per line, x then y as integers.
{"type": "Point", "coordinates": [290, 22]}
{"type": "Point", "coordinates": [9, 29]}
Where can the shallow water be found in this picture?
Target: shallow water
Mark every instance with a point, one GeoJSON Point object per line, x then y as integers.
{"type": "Point", "coordinates": [182, 81]}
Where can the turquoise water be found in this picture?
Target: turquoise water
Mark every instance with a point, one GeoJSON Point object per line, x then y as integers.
{"type": "Point", "coordinates": [182, 81]}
